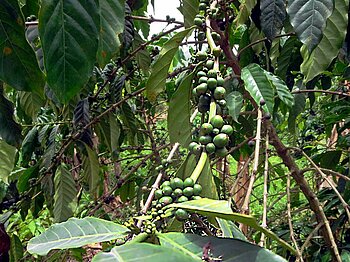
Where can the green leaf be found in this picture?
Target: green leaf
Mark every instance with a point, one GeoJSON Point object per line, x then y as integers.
{"type": "Point", "coordinates": [222, 209]}
{"type": "Point", "coordinates": [273, 14]}
{"type": "Point", "coordinates": [23, 180]}
{"type": "Point", "coordinates": [7, 159]}
{"type": "Point", "coordinates": [189, 10]}
{"type": "Point", "coordinates": [143, 57]}
{"type": "Point", "coordinates": [29, 145]}
{"type": "Point", "coordinates": [91, 168]}
{"type": "Point", "coordinates": [10, 131]}
{"type": "Point", "coordinates": [111, 13]}
{"type": "Point", "coordinates": [258, 86]}
{"type": "Point", "coordinates": [159, 70]}
{"type": "Point", "coordinates": [65, 198]}
{"type": "Point", "coordinates": [245, 10]}
{"type": "Point", "coordinates": [308, 18]}
{"type": "Point", "coordinates": [206, 179]}
{"type": "Point", "coordinates": [283, 60]}
{"type": "Point", "coordinates": [299, 106]}
{"type": "Point", "coordinates": [228, 249]}
{"type": "Point", "coordinates": [75, 233]}
{"type": "Point", "coordinates": [332, 40]}
{"type": "Point", "coordinates": [18, 64]}
{"type": "Point", "coordinates": [109, 132]}
{"type": "Point", "coordinates": [229, 229]}
{"type": "Point", "coordinates": [16, 249]}
{"type": "Point", "coordinates": [282, 90]}
{"type": "Point", "coordinates": [30, 103]}
{"type": "Point", "coordinates": [142, 252]}
{"type": "Point", "coordinates": [179, 113]}
{"type": "Point", "coordinates": [234, 104]}
{"type": "Point", "coordinates": [69, 33]}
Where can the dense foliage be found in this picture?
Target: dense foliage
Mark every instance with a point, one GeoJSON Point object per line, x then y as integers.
{"type": "Point", "coordinates": [221, 138]}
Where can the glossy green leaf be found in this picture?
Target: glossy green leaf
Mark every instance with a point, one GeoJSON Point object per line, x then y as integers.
{"type": "Point", "coordinates": [111, 13]}
{"type": "Point", "coordinates": [227, 249]}
{"type": "Point", "coordinates": [179, 113]}
{"type": "Point", "coordinates": [273, 14]}
{"type": "Point", "coordinates": [286, 54]}
{"type": "Point", "coordinates": [308, 18]}
{"type": "Point", "coordinates": [189, 10]}
{"type": "Point", "coordinates": [23, 180]}
{"type": "Point", "coordinates": [16, 249]}
{"type": "Point", "coordinates": [69, 33]}
{"type": "Point", "coordinates": [65, 198]}
{"type": "Point", "coordinates": [30, 102]}
{"type": "Point", "coordinates": [258, 86]}
{"type": "Point", "coordinates": [230, 230]}
{"type": "Point", "coordinates": [18, 64]}
{"type": "Point", "coordinates": [222, 209]}
{"type": "Point", "coordinates": [332, 40]}
{"type": "Point", "coordinates": [142, 252]}
{"type": "Point", "coordinates": [234, 104]}
{"type": "Point", "coordinates": [7, 159]}
{"type": "Point", "coordinates": [282, 90]}
{"type": "Point", "coordinates": [91, 168]}
{"type": "Point", "coordinates": [75, 233]}
{"type": "Point", "coordinates": [159, 70]}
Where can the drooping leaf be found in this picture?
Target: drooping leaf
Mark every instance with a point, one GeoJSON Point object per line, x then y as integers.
{"type": "Point", "coordinates": [130, 122]}
{"type": "Point", "coordinates": [258, 86]}
{"type": "Point", "coordinates": [65, 198]}
{"type": "Point", "coordinates": [75, 233]}
{"type": "Point", "coordinates": [206, 179]}
{"type": "Point", "coordinates": [143, 252]}
{"type": "Point", "coordinates": [229, 229]}
{"type": "Point", "coordinates": [109, 132]}
{"type": "Point", "coordinates": [299, 106]}
{"type": "Point", "coordinates": [332, 40]}
{"type": "Point", "coordinates": [111, 13]}
{"type": "Point", "coordinates": [81, 118]}
{"type": "Point", "coordinates": [23, 183]}
{"type": "Point", "coordinates": [143, 57]}
{"type": "Point", "coordinates": [10, 131]}
{"type": "Point", "coordinates": [128, 34]}
{"type": "Point", "coordinates": [29, 144]}
{"type": "Point", "coordinates": [91, 168]}
{"type": "Point", "coordinates": [179, 113]}
{"type": "Point", "coordinates": [273, 14]}
{"type": "Point", "coordinates": [308, 18]}
{"type": "Point", "coordinates": [51, 147]}
{"type": "Point", "coordinates": [282, 90]}
{"type": "Point", "coordinates": [189, 10]}
{"type": "Point", "coordinates": [7, 159]}
{"type": "Point", "coordinates": [159, 70]}
{"type": "Point", "coordinates": [222, 209]}
{"type": "Point", "coordinates": [225, 248]}
{"type": "Point", "coordinates": [18, 64]}
{"type": "Point", "coordinates": [16, 251]}
{"type": "Point", "coordinates": [30, 103]}
{"type": "Point", "coordinates": [234, 104]}
{"type": "Point", "coordinates": [286, 54]}
{"type": "Point", "coordinates": [69, 33]}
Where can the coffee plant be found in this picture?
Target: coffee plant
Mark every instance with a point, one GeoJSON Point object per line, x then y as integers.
{"type": "Point", "coordinates": [224, 137]}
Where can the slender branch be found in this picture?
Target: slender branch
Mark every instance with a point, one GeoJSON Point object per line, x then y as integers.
{"type": "Point", "coordinates": [325, 170]}
{"type": "Point", "coordinates": [152, 19]}
{"type": "Point", "coordinates": [320, 91]}
{"type": "Point", "coordinates": [309, 237]}
{"type": "Point", "coordinates": [203, 226]}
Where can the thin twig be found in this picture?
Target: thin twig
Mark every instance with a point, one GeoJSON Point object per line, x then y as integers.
{"type": "Point", "coordinates": [152, 19]}
{"type": "Point", "coordinates": [321, 91]}
{"type": "Point", "coordinates": [325, 170]}
{"type": "Point", "coordinates": [309, 237]}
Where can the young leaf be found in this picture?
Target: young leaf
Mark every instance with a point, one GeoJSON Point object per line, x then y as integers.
{"type": "Point", "coordinates": [282, 90]}
{"type": "Point", "coordinates": [75, 233]}
{"type": "Point", "coordinates": [221, 209]}
{"type": "Point", "coordinates": [179, 113]}
{"type": "Point", "coordinates": [7, 159]}
{"type": "Point", "coordinates": [65, 198]}
{"type": "Point", "coordinates": [144, 252]}
{"type": "Point", "coordinates": [259, 87]}
{"type": "Point", "coordinates": [273, 14]}
{"type": "Point", "coordinates": [159, 70]}
{"type": "Point", "coordinates": [189, 10]}
{"type": "Point", "coordinates": [229, 249]}
{"type": "Point", "coordinates": [111, 13]}
{"type": "Point", "coordinates": [69, 33]}
{"type": "Point", "coordinates": [18, 64]}
{"type": "Point", "coordinates": [308, 18]}
{"type": "Point", "coordinates": [332, 40]}
{"type": "Point", "coordinates": [234, 104]}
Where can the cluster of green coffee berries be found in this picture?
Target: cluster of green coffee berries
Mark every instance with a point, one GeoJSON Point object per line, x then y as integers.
{"type": "Point", "coordinates": [175, 191]}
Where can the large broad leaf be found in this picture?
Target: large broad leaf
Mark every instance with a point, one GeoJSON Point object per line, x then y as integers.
{"type": "Point", "coordinates": [189, 10]}
{"type": "Point", "coordinates": [65, 194]}
{"type": "Point", "coordinates": [234, 104]}
{"type": "Point", "coordinates": [259, 87]}
{"type": "Point", "coordinates": [159, 70]}
{"type": "Point", "coordinates": [111, 26]}
{"type": "Point", "coordinates": [18, 64]}
{"type": "Point", "coordinates": [227, 249]}
{"type": "Point", "coordinates": [69, 33]}
{"type": "Point", "coordinates": [75, 233]}
{"type": "Point", "coordinates": [7, 159]}
{"type": "Point", "coordinates": [332, 40]}
{"type": "Point", "coordinates": [272, 16]}
{"type": "Point", "coordinates": [143, 252]}
{"type": "Point", "coordinates": [282, 90]}
{"type": "Point", "coordinates": [179, 113]}
{"type": "Point", "coordinates": [10, 131]}
{"type": "Point", "coordinates": [229, 229]}
{"type": "Point", "coordinates": [222, 209]}
{"type": "Point", "coordinates": [91, 168]}
{"type": "Point", "coordinates": [308, 18]}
